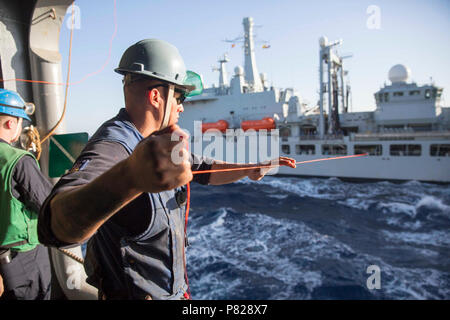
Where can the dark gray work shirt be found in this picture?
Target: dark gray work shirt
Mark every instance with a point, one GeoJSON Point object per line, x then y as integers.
{"type": "Point", "coordinates": [94, 161]}
{"type": "Point", "coordinates": [104, 253]}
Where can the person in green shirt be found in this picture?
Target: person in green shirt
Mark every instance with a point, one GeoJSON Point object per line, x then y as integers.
{"type": "Point", "coordinates": [24, 263]}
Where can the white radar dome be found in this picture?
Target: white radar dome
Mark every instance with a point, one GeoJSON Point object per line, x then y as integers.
{"type": "Point", "coordinates": [323, 41]}
{"type": "Point", "coordinates": [239, 71]}
{"type": "Point", "coordinates": [399, 73]}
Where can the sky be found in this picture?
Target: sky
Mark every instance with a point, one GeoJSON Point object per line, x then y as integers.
{"type": "Point", "coordinates": [378, 35]}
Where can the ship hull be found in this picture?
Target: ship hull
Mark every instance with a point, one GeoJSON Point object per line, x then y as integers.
{"type": "Point", "coordinates": [384, 166]}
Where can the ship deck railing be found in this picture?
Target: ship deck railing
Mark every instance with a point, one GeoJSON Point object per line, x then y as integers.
{"type": "Point", "coordinates": [426, 135]}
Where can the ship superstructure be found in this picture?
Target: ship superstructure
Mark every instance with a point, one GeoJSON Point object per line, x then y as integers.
{"type": "Point", "coordinates": [407, 137]}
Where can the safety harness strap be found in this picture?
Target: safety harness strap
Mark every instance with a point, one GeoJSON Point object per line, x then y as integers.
{"type": "Point", "coordinates": [19, 243]}
{"type": "Point", "coordinates": [168, 109]}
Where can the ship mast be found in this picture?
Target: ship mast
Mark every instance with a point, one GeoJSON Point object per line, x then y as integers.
{"type": "Point", "coordinates": [334, 65]}
{"type": "Point", "coordinates": [223, 76]}
{"type": "Point", "coordinates": [251, 72]}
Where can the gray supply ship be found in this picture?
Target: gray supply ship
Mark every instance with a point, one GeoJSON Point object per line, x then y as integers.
{"type": "Point", "coordinates": [407, 137]}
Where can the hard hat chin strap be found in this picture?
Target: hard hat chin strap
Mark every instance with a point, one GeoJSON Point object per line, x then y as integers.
{"type": "Point", "coordinates": [168, 107]}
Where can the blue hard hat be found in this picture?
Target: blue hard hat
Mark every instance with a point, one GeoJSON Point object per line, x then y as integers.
{"type": "Point", "coordinates": [11, 103]}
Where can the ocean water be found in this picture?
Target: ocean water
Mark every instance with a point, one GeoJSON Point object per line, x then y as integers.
{"type": "Point", "coordinates": [295, 238]}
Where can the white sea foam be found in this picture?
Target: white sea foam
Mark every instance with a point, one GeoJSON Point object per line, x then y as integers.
{"type": "Point", "coordinates": [411, 210]}
{"type": "Point", "coordinates": [216, 225]}
{"type": "Point", "coordinates": [268, 247]}
{"type": "Point", "coordinates": [436, 238]}
{"type": "Point", "coordinates": [278, 196]}
{"type": "Point", "coordinates": [357, 203]}
{"type": "Point", "coordinates": [397, 207]}
{"type": "Point", "coordinates": [387, 197]}
{"type": "Point", "coordinates": [398, 222]}
{"type": "Point", "coordinates": [433, 203]}
{"type": "Point", "coordinates": [415, 283]}
{"type": "Point", "coordinates": [259, 239]}
{"type": "Point", "coordinates": [288, 251]}
{"type": "Point", "coordinates": [405, 282]}
{"type": "Point", "coordinates": [304, 188]}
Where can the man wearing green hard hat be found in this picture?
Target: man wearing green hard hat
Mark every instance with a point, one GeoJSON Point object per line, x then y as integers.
{"type": "Point", "coordinates": [125, 194]}
{"type": "Point", "coordinates": [24, 263]}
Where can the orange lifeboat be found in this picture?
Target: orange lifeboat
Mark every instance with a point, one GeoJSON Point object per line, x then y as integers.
{"type": "Point", "coordinates": [266, 123]}
{"type": "Point", "coordinates": [221, 125]}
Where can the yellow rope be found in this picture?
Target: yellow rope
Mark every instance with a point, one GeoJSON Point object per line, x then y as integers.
{"type": "Point", "coordinates": [33, 142]}
{"type": "Point", "coordinates": [72, 255]}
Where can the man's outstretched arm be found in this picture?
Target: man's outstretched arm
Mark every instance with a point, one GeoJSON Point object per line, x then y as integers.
{"type": "Point", "coordinates": [218, 178]}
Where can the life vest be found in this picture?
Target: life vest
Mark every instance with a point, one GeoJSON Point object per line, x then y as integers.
{"type": "Point", "coordinates": [18, 224]}
{"type": "Point", "coordinates": [150, 264]}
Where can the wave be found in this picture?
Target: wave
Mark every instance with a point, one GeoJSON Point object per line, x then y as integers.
{"type": "Point", "coordinates": [397, 207]}
{"type": "Point", "coordinates": [415, 283]}
{"type": "Point", "coordinates": [278, 196]}
{"type": "Point", "coordinates": [433, 203]}
{"type": "Point", "coordinates": [407, 198]}
{"type": "Point", "coordinates": [435, 238]}
{"type": "Point", "coordinates": [242, 255]}
{"type": "Point", "coordinates": [256, 245]}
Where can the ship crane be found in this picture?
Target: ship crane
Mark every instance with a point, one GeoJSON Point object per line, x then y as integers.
{"type": "Point", "coordinates": [331, 85]}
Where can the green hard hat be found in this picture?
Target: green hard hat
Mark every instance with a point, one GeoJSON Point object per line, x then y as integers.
{"type": "Point", "coordinates": [161, 60]}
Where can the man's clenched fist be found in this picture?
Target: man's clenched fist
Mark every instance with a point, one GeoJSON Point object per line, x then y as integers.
{"type": "Point", "coordinates": [153, 166]}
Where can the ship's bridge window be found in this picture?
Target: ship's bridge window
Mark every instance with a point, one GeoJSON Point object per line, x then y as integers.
{"type": "Point", "coordinates": [440, 150]}
{"type": "Point", "coordinates": [334, 149]}
{"type": "Point", "coordinates": [305, 149]}
{"type": "Point", "coordinates": [348, 130]}
{"type": "Point", "coordinates": [371, 149]}
{"type": "Point", "coordinates": [285, 132]}
{"type": "Point", "coordinates": [398, 94]}
{"type": "Point", "coordinates": [379, 97]}
{"type": "Point", "coordinates": [414, 93]}
{"type": "Point", "coordinates": [427, 94]}
{"type": "Point", "coordinates": [307, 130]}
{"type": "Point", "coordinates": [286, 149]}
{"type": "Point", "coordinates": [421, 127]}
{"type": "Point", "coordinates": [405, 149]}
{"type": "Point", "coordinates": [437, 93]}
{"type": "Point", "coordinates": [386, 96]}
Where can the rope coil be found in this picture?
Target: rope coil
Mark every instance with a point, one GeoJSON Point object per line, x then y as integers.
{"type": "Point", "coordinates": [33, 141]}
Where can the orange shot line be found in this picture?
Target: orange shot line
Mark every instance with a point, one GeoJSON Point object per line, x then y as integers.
{"type": "Point", "coordinates": [277, 165]}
